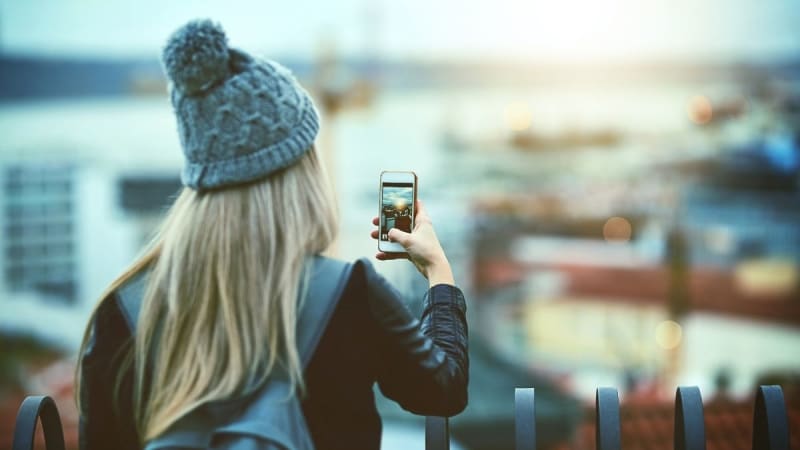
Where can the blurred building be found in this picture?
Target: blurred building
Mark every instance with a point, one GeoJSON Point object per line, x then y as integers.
{"type": "Point", "coordinates": [637, 312]}
{"type": "Point", "coordinates": [39, 224]}
{"type": "Point", "coordinates": [69, 228]}
{"type": "Point", "coordinates": [746, 204]}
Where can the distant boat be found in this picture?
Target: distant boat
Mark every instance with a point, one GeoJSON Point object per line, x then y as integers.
{"type": "Point", "coordinates": [529, 141]}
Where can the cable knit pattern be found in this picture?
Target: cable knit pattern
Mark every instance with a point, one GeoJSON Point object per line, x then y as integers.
{"type": "Point", "coordinates": [239, 122]}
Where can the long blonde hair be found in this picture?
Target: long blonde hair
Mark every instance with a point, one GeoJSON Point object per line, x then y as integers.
{"type": "Point", "coordinates": [219, 310]}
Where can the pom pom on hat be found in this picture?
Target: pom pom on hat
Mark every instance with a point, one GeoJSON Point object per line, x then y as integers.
{"type": "Point", "coordinates": [196, 56]}
{"type": "Point", "coordinates": [240, 118]}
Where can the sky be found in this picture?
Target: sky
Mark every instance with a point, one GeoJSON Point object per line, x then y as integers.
{"type": "Point", "coordinates": [557, 30]}
{"type": "Point", "coordinates": [397, 196]}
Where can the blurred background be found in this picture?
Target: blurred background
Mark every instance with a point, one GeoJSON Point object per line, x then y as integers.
{"type": "Point", "coordinates": [617, 185]}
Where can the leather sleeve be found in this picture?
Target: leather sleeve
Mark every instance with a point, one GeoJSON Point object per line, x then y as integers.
{"type": "Point", "coordinates": [102, 426]}
{"type": "Point", "coordinates": [424, 364]}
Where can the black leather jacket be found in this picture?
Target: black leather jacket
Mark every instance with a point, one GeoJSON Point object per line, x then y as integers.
{"type": "Point", "coordinates": [371, 338]}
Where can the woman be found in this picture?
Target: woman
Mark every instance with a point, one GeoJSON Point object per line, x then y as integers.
{"type": "Point", "coordinates": [224, 274]}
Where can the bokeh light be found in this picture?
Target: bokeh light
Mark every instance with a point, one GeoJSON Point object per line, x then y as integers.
{"type": "Point", "coordinates": [617, 229]}
{"type": "Point", "coordinates": [669, 334]}
{"type": "Point", "coordinates": [700, 110]}
{"type": "Point", "coordinates": [518, 116]}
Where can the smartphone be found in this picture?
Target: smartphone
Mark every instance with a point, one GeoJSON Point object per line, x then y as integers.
{"type": "Point", "coordinates": [398, 195]}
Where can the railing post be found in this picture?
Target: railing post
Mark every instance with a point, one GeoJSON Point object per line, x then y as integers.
{"type": "Point", "coordinates": [607, 423]}
{"type": "Point", "coordinates": [690, 430]}
{"type": "Point", "coordinates": [30, 411]}
{"type": "Point", "coordinates": [437, 433]}
{"type": "Point", "coordinates": [770, 421]}
{"type": "Point", "coordinates": [524, 419]}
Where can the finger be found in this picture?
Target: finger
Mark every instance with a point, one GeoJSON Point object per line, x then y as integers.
{"type": "Point", "coordinates": [376, 221]}
{"type": "Point", "coordinates": [420, 205]}
{"type": "Point", "coordinates": [383, 256]}
{"type": "Point", "coordinates": [421, 213]}
{"type": "Point", "coordinates": [374, 234]}
{"type": "Point", "coordinates": [400, 236]}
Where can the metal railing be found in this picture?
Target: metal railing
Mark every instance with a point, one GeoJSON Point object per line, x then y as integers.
{"type": "Point", "coordinates": [32, 409]}
{"type": "Point", "coordinates": [770, 421]}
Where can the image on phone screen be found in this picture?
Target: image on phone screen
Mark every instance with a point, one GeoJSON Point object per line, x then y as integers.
{"type": "Point", "coordinates": [397, 207]}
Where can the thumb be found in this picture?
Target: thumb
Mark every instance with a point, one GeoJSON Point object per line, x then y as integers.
{"type": "Point", "coordinates": [400, 236]}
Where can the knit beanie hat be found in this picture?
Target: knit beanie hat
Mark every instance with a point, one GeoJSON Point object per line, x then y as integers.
{"type": "Point", "coordinates": [240, 119]}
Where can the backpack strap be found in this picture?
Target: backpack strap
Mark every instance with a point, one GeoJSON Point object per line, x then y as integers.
{"type": "Point", "coordinates": [129, 299]}
{"type": "Point", "coordinates": [327, 281]}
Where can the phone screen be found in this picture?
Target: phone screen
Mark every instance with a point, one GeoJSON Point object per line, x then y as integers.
{"type": "Point", "coordinates": [397, 207]}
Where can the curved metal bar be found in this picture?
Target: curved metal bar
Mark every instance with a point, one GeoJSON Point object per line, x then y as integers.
{"type": "Point", "coordinates": [524, 419]}
{"type": "Point", "coordinates": [437, 433]}
{"type": "Point", "coordinates": [607, 424]}
{"type": "Point", "coordinates": [690, 430]}
{"type": "Point", "coordinates": [770, 421]}
{"type": "Point", "coordinates": [33, 408]}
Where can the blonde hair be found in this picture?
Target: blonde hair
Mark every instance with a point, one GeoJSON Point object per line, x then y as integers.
{"type": "Point", "coordinates": [220, 307]}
